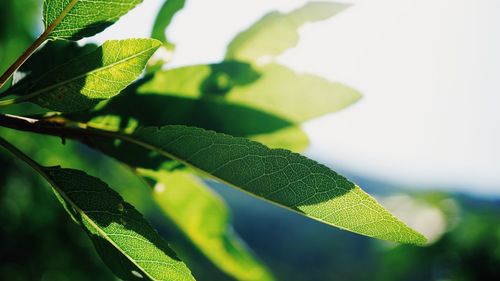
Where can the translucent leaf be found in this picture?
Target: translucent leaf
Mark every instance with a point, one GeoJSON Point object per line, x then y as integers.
{"type": "Point", "coordinates": [116, 227]}
{"type": "Point", "coordinates": [204, 218]}
{"type": "Point", "coordinates": [76, 19]}
{"type": "Point", "coordinates": [273, 89]}
{"type": "Point", "coordinates": [279, 176]}
{"type": "Point", "coordinates": [277, 32]}
{"type": "Point", "coordinates": [123, 238]}
{"type": "Point", "coordinates": [84, 81]}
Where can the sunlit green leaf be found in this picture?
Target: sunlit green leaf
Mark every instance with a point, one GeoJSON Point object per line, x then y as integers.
{"type": "Point", "coordinates": [276, 32]}
{"type": "Point", "coordinates": [273, 89]}
{"type": "Point", "coordinates": [115, 224]}
{"type": "Point", "coordinates": [84, 81]}
{"type": "Point", "coordinates": [83, 18]}
{"type": "Point", "coordinates": [279, 176]}
{"type": "Point", "coordinates": [204, 218]}
{"type": "Point", "coordinates": [123, 238]}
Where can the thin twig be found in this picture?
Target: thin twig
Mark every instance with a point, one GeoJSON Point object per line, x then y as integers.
{"type": "Point", "coordinates": [31, 49]}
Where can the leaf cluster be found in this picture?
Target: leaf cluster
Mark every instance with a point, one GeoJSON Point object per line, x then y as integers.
{"type": "Point", "coordinates": [236, 121]}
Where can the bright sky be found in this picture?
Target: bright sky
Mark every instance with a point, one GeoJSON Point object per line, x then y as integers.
{"type": "Point", "coordinates": [427, 69]}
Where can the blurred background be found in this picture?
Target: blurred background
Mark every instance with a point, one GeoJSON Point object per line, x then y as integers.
{"type": "Point", "coordinates": [423, 140]}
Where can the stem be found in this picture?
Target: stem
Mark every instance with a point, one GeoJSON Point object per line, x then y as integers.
{"type": "Point", "coordinates": [19, 154]}
{"type": "Point", "coordinates": [55, 127]}
{"type": "Point", "coordinates": [31, 49]}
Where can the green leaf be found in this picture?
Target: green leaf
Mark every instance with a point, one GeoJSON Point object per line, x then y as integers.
{"type": "Point", "coordinates": [84, 81]}
{"type": "Point", "coordinates": [272, 89]}
{"type": "Point", "coordinates": [277, 32]}
{"type": "Point", "coordinates": [279, 176]}
{"type": "Point", "coordinates": [76, 19]}
{"type": "Point", "coordinates": [163, 20]}
{"type": "Point", "coordinates": [123, 238]}
{"type": "Point", "coordinates": [110, 221]}
{"type": "Point", "coordinates": [204, 218]}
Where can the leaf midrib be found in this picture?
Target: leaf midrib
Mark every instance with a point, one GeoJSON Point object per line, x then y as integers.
{"type": "Point", "coordinates": [50, 27]}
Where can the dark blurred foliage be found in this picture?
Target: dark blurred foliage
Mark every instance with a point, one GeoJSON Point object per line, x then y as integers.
{"type": "Point", "coordinates": [38, 241]}
{"type": "Point", "coordinates": [18, 21]}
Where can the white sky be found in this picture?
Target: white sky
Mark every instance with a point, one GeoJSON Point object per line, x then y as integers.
{"type": "Point", "coordinates": [427, 69]}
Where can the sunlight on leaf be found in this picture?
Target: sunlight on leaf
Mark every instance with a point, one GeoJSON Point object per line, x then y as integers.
{"type": "Point", "coordinates": [116, 224]}
{"type": "Point", "coordinates": [276, 90]}
{"type": "Point", "coordinates": [279, 176]}
{"type": "Point", "coordinates": [84, 81]}
{"type": "Point", "coordinates": [85, 18]}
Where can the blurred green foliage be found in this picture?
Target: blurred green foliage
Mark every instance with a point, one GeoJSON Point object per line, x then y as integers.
{"type": "Point", "coordinates": [18, 23]}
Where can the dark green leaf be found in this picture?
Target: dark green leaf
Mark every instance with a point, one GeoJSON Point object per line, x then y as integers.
{"type": "Point", "coordinates": [50, 56]}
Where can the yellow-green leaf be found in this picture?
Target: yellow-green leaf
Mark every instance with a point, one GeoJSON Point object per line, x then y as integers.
{"type": "Point", "coordinates": [84, 81]}
{"type": "Point", "coordinates": [273, 89]}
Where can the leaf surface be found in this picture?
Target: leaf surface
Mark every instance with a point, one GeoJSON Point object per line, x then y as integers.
{"type": "Point", "coordinates": [123, 238]}
{"type": "Point", "coordinates": [84, 81]}
{"type": "Point", "coordinates": [273, 89]}
{"type": "Point", "coordinates": [205, 219]}
{"type": "Point", "coordinates": [277, 32]}
{"type": "Point", "coordinates": [279, 176]}
{"type": "Point", "coordinates": [76, 19]}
